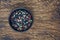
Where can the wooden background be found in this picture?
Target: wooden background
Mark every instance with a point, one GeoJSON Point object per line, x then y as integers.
{"type": "Point", "coordinates": [46, 24]}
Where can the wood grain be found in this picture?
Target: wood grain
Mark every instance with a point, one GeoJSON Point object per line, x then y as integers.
{"type": "Point", "coordinates": [46, 24]}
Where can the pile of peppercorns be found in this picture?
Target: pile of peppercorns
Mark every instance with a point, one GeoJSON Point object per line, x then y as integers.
{"type": "Point", "coordinates": [21, 19]}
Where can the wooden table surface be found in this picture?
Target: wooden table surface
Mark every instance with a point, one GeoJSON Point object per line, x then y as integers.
{"type": "Point", "coordinates": [46, 24]}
